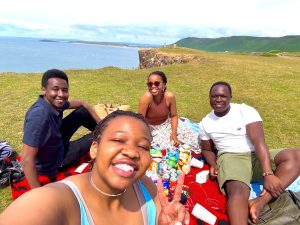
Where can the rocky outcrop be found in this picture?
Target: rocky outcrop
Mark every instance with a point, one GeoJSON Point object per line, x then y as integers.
{"type": "Point", "coordinates": [152, 58]}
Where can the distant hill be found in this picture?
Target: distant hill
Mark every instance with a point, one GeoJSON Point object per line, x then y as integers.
{"type": "Point", "coordinates": [243, 44]}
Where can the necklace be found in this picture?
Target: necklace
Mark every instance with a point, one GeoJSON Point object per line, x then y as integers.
{"type": "Point", "coordinates": [104, 193]}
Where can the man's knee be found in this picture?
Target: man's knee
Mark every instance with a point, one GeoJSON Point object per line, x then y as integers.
{"type": "Point", "coordinates": [237, 188]}
{"type": "Point", "coordinates": [292, 156]}
{"type": "Point", "coordinates": [83, 117]}
{"type": "Point", "coordinates": [82, 111]}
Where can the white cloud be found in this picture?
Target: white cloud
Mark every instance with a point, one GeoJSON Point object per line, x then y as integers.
{"type": "Point", "coordinates": [156, 21]}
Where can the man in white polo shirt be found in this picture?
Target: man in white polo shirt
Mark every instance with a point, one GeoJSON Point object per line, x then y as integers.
{"type": "Point", "coordinates": [236, 131]}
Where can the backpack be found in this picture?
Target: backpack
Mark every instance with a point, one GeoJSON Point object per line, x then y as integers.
{"type": "Point", "coordinates": [285, 210]}
{"type": "Point", "coordinates": [10, 168]}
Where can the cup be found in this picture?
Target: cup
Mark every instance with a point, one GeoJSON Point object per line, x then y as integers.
{"type": "Point", "coordinates": [202, 176]}
{"type": "Point", "coordinates": [203, 214]}
{"type": "Point", "coordinates": [197, 163]}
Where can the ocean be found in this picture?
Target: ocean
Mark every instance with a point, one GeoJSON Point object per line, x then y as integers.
{"type": "Point", "coordinates": [28, 55]}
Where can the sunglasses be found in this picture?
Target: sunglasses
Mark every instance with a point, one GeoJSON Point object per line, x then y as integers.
{"type": "Point", "coordinates": [156, 83]}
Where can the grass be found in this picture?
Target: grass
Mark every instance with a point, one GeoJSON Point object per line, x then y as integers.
{"type": "Point", "coordinates": [270, 84]}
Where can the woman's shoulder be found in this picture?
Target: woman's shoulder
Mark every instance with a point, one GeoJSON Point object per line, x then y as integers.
{"type": "Point", "coordinates": [55, 192]}
{"type": "Point", "coordinates": [169, 95]}
{"type": "Point", "coordinates": [49, 192]}
{"type": "Point", "coordinates": [170, 98]}
{"type": "Point", "coordinates": [51, 199]}
{"type": "Point", "coordinates": [147, 94]}
{"type": "Point", "coordinates": [146, 97]}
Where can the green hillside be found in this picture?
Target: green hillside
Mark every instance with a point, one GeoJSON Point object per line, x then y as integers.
{"type": "Point", "coordinates": [243, 44]}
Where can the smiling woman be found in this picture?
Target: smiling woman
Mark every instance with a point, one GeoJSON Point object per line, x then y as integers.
{"type": "Point", "coordinates": [158, 106]}
{"type": "Point", "coordinates": [116, 191]}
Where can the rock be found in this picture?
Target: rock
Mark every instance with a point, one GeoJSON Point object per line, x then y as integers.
{"type": "Point", "coordinates": [152, 58]}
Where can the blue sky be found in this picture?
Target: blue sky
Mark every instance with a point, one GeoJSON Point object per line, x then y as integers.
{"type": "Point", "coordinates": [149, 22]}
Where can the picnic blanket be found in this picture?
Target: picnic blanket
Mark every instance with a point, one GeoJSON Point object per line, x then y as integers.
{"type": "Point", "coordinates": [207, 194]}
{"type": "Point", "coordinates": [19, 188]}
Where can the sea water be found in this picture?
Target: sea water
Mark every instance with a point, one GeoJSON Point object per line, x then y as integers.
{"type": "Point", "coordinates": [26, 55]}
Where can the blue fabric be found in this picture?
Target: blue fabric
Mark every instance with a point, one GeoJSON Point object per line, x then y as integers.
{"type": "Point", "coordinates": [83, 217]}
{"type": "Point", "coordinates": [151, 208]}
{"type": "Point", "coordinates": [257, 187]}
{"type": "Point", "coordinates": [41, 130]}
{"type": "Point", "coordinates": [83, 214]}
{"type": "Point", "coordinates": [194, 126]}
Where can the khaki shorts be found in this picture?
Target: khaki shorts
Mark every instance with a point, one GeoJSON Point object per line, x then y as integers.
{"type": "Point", "coordinates": [244, 167]}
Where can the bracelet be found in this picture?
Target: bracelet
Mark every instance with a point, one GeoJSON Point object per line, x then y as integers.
{"type": "Point", "coordinates": [267, 174]}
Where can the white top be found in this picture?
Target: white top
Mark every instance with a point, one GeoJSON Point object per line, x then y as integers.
{"type": "Point", "coordinates": [229, 132]}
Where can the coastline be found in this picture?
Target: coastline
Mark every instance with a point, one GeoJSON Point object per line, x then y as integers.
{"type": "Point", "coordinates": [102, 43]}
{"type": "Point", "coordinates": [116, 45]}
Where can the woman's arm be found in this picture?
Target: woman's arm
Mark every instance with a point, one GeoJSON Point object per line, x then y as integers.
{"type": "Point", "coordinates": [144, 103]}
{"type": "Point", "coordinates": [207, 147]}
{"type": "Point", "coordinates": [28, 164]}
{"type": "Point", "coordinates": [256, 135]}
{"type": "Point", "coordinates": [173, 115]}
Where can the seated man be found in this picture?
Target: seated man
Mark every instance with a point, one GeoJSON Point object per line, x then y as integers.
{"type": "Point", "coordinates": [236, 130]}
{"type": "Point", "coordinates": [46, 141]}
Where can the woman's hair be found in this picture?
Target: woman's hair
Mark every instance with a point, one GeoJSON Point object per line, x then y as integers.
{"type": "Point", "coordinates": [101, 126]}
{"type": "Point", "coordinates": [161, 74]}
{"type": "Point", "coordinates": [222, 83]}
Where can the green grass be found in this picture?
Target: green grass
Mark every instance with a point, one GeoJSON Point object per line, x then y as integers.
{"type": "Point", "coordinates": [270, 84]}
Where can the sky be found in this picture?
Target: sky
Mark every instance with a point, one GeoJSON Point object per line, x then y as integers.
{"type": "Point", "coordinates": [148, 22]}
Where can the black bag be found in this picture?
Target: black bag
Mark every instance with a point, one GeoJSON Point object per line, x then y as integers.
{"type": "Point", "coordinates": [285, 210]}
{"type": "Point", "coordinates": [10, 170]}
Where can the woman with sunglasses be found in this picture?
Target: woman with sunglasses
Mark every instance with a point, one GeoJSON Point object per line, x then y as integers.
{"type": "Point", "coordinates": [115, 192]}
{"type": "Point", "coordinates": [158, 106]}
